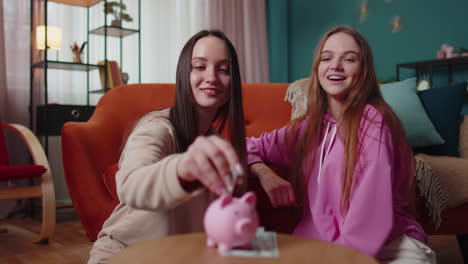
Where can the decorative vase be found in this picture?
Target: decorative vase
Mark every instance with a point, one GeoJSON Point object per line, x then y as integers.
{"type": "Point", "coordinates": [116, 23]}
{"type": "Point", "coordinates": [440, 54]}
{"type": "Point", "coordinates": [77, 57]}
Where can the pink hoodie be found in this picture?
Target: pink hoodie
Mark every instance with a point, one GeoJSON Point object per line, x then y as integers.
{"type": "Point", "coordinates": [375, 215]}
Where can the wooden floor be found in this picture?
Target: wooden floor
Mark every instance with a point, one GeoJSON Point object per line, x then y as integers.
{"type": "Point", "coordinates": [70, 244]}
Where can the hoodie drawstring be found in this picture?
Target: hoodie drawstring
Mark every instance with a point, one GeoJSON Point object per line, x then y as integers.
{"type": "Point", "coordinates": [323, 156]}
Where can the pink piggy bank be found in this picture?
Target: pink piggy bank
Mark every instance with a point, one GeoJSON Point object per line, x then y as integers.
{"type": "Point", "coordinates": [231, 222]}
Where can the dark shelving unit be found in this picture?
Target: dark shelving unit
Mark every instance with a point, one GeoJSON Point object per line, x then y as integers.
{"type": "Point", "coordinates": [105, 90]}
{"type": "Point", "coordinates": [114, 31]}
{"type": "Point", "coordinates": [429, 66]}
{"type": "Point", "coordinates": [43, 114]}
{"type": "Point", "coordinates": [65, 65]}
{"type": "Point", "coordinates": [47, 118]}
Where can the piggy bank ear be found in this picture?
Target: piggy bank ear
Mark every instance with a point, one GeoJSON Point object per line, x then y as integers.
{"type": "Point", "coordinates": [249, 198]}
{"type": "Point", "coordinates": [225, 200]}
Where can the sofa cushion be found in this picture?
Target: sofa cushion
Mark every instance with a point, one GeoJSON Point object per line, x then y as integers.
{"type": "Point", "coordinates": [443, 105]}
{"type": "Point", "coordinates": [3, 149]}
{"type": "Point", "coordinates": [403, 99]}
{"type": "Point", "coordinates": [109, 180]}
{"type": "Point", "coordinates": [20, 172]}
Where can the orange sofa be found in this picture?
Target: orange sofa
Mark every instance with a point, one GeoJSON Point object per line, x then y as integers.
{"type": "Point", "coordinates": [91, 152]}
{"type": "Point", "coordinates": [91, 149]}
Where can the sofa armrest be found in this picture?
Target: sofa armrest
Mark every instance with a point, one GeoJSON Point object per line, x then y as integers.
{"type": "Point", "coordinates": [463, 138]}
{"type": "Point", "coordinates": [92, 202]}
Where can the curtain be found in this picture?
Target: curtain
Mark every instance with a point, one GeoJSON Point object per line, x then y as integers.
{"type": "Point", "coordinates": [3, 86]}
{"type": "Point", "coordinates": [244, 22]}
{"type": "Point", "coordinates": [173, 22]}
{"type": "Point", "coordinates": [166, 26]}
{"type": "Point", "coordinates": [14, 85]}
{"type": "Point", "coordinates": [15, 61]}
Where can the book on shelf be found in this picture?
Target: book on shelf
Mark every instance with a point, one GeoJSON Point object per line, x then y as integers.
{"type": "Point", "coordinates": [102, 74]}
{"type": "Point", "coordinates": [114, 75]}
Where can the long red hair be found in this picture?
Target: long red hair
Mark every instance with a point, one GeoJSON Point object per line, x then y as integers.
{"type": "Point", "coordinates": [365, 90]}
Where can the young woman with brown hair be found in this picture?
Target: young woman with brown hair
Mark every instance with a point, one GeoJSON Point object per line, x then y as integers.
{"type": "Point", "coordinates": [173, 155]}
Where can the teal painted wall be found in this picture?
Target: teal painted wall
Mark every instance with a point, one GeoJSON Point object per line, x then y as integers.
{"type": "Point", "coordinates": [295, 27]}
{"type": "Point", "coordinates": [278, 38]}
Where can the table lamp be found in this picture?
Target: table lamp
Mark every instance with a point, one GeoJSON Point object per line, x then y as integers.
{"type": "Point", "coordinates": [54, 38]}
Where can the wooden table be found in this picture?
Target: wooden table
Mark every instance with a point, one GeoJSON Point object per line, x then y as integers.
{"type": "Point", "coordinates": [191, 248]}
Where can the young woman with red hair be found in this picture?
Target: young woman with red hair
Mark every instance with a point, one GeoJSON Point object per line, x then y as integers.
{"type": "Point", "coordinates": [351, 164]}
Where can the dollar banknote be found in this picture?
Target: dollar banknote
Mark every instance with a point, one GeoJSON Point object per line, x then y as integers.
{"type": "Point", "coordinates": [264, 245]}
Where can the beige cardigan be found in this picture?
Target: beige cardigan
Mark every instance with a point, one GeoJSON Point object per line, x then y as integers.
{"type": "Point", "coordinates": [152, 202]}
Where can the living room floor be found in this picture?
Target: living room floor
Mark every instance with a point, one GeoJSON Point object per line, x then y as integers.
{"type": "Point", "coordinates": [70, 244]}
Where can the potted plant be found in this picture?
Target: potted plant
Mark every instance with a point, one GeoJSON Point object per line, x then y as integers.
{"type": "Point", "coordinates": [117, 10]}
{"type": "Point", "coordinates": [462, 51]}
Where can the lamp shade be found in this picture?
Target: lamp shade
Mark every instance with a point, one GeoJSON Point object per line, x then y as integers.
{"type": "Point", "coordinates": [54, 37]}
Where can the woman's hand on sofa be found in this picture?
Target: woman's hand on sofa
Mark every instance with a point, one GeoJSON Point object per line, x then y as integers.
{"type": "Point", "coordinates": [278, 190]}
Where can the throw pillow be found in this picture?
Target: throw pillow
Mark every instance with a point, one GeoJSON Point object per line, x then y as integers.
{"type": "Point", "coordinates": [443, 105]}
{"type": "Point", "coordinates": [296, 94]}
{"type": "Point", "coordinates": [402, 98]}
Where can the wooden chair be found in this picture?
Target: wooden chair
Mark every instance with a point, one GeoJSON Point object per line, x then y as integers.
{"type": "Point", "coordinates": [40, 170]}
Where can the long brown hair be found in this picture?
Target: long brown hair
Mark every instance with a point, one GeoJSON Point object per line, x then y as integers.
{"type": "Point", "coordinates": [183, 114]}
{"type": "Point", "coordinates": [364, 90]}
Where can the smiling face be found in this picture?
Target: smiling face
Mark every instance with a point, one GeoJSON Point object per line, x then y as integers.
{"type": "Point", "coordinates": [210, 75]}
{"type": "Point", "coordinates": [339, 66]}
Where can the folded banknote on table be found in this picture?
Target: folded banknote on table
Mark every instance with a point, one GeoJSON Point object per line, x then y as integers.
{"type": "Point", "coordinates": [264, 245]}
